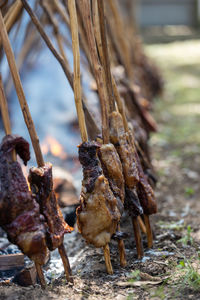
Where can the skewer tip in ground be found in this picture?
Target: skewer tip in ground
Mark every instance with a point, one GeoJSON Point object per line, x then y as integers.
{"type": "Point", "coordinates": [40, 275]}
{"type": "Point", "coordinates": [138, 239]}
{"type": "Point", "coordinates": [66, 264]}
{"type": "Point", "coordinates": [122, 253]}
{"type": "Point", "coordinates": [149, 231]}
{"type": "Point", "coordinates": [106, 251]}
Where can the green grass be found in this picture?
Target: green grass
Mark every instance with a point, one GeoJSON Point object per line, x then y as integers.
{"type": "Point", "coordinates": [179, 110]}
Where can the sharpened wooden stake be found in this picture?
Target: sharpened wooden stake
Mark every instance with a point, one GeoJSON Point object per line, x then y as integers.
{"type": "Point", "coordinates": [62, 252]}
{"type": "Point", "coordinates": [138, 240]}
{"type": "Point", "coordinates": [40, 275]}
{"type": "Point", "coordinates": [122, 252]}
{"type": "Point", "coordinates": [106, 252]}
{"type": "Point", "coordinates": [149, 231]}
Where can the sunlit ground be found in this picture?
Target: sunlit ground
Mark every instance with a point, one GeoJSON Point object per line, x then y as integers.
{"type": "Point", "coordinates": [179, 110]}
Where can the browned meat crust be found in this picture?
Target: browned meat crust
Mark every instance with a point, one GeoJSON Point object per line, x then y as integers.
{"type": "Point", "coordinates": [19, 212]}
{"type": "Point", "coordinates": [97, 215]}
{"type": "Point", "coordinates": [112, 169]}
{"type": "Point", "coordinates": [41, 183]}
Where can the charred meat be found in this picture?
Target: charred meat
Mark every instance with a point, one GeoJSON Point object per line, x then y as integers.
{"type": "Point", "coordinates": [97, 215]}
{"type": "Point", "coordinates": [19, 212]}
{"type": "Point", "coordinates": [41, 184]}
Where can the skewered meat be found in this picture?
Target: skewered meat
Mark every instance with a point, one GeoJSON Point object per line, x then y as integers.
{"type": "Point", "coordinates": [145, 192]}
{"type": "Point", "coordinates": [112, 169]}
{"type": "Point", "coordinates": [120, 140]}
{"type": "Point", "coordinates": [19, 212]}
{"type": "Point", "coordinates": [144, 189]}
{"type": "Point", "coordinates": [124, 148]}
{"type": "Point", "coordinates": [42, 186]}
{"type": "Point", "coordinates": [97, 215]}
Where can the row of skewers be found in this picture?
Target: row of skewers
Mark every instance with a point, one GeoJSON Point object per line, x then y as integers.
{"type": "Point", "coordinates": [114, 159]}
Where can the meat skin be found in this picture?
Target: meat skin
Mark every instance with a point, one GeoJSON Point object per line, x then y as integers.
{"type": "Point", "coordinates": [19, 212]}
{"type": "Point", "coordinates": [97, 215]}
{"type": "Point", "coordinates": [126, 152]}
{"type": "Point", "coordinates": [41, 184]}
{"type": "Point", "coordinates": [112, 169]}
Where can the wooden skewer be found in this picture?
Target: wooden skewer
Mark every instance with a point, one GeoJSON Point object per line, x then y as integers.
{"type": "Point", "coordinates": [106, 252]}
{"type": "Point", "coordinates": [149, 231]}
{"type": "Point", "coordinates": [138, 240]}
{"type": "Point", "coordinates": [5, 114]}
{"type": "Point", "coordinates": [65, 260]}
{"type": "Point", "coordinates": [98, 71]}
{"type": "Point", "coordinates": [122, 252]}
{"type": "Point", "coordinates": [4, 109]}
{"type": "Point", "coordinates": [40, 275]}
{"type": "Point", "coordinates": [105, 57]}
{"type": "Point", "coordinates": [77, 73]}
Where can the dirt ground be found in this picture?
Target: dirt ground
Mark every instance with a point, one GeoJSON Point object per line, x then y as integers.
{"type": "Point", "coordinates": [172, 269]}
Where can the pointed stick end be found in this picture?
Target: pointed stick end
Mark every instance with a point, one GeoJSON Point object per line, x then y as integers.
{"type": "Point", "coordinates": [106, 251]}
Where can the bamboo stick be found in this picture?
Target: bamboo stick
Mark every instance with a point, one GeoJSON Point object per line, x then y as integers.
{"type": "Point", "coordinates": [98, 71]}
{"type": "Point", "coordinates": [77, 74]}
{"type": "Point", "coordinates": [4, 109]}
{"type": "Point", "coordinates": [149, 231]}
{"type": "Point", "coordinates": [105, 58]}
{"type": "Point", "coordinates": [106, 252]}
{"type": "Point", "coordinates": [138, 239]}
{"type": "Point", "coordinates": [122, 252]}
{"type": "Point", "coordinates": [5, 114]}
{"type": "Point", "coordinates": [65, 260]}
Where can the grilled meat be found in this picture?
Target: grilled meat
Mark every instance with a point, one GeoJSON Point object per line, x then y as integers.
{"type": "Point", "coordinates": [41, 184]}
{"type": "Point", "coordinates": [97, 215]}
{"type": "Point", "coordinates": [19, 212]}
{"type": "Point", "coordinates": [126, 153]}
{"type": "Point", "coordinates": [120, 139]}
{"type": "Point", "coordinates": [144, 189]}
{"type": "Point", "coordinates": [112, 169]}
